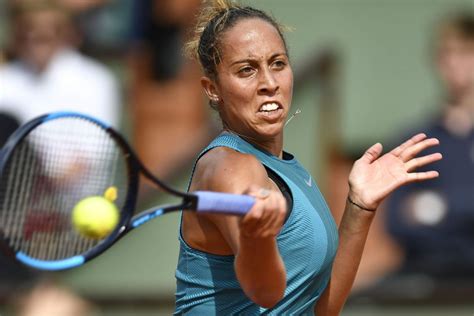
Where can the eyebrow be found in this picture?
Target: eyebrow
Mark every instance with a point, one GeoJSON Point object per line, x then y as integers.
{"type": "Point", "coordinates": [248, 60]}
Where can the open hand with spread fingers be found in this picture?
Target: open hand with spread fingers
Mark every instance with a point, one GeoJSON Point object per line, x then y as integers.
{"type": "Point", "coordinates": [374, 176]}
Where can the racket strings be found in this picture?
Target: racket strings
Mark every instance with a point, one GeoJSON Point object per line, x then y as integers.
{"type": "Point", "coordinates": [7, 204]}
{"type": "Point", "coordinates": [14, 222]}
{"type": "Point", "coordinates": [58, 164]}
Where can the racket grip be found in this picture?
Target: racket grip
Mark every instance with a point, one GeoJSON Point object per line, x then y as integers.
{"type": "Point", "coordinates": [215, 202]}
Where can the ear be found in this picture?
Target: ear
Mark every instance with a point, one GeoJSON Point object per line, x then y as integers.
{"type": "Point", "coordinates": [211, 89]}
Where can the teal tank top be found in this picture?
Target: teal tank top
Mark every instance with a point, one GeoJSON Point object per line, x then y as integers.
{"type": "Point", "coordinates": [207, 284]}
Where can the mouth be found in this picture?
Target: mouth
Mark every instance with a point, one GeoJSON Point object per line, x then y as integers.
{"type": "Point", "coordinates": [270, 111]}
{"type": "Point", "coordinates": [269, 107]}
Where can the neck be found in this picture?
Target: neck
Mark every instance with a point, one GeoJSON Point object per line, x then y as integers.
{"type": "Point", "coordinates": [273, 145]}
{"type": "Point", "coordinates": [458, 116]}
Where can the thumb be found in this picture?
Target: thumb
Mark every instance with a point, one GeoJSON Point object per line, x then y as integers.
{"type": "Point", "coordinates": [372, 153]}
{"type": "Point", "coordinates": [257, 191]}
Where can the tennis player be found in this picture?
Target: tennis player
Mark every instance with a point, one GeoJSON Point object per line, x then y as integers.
{"type": "Point", "coordinates": [286, 256]}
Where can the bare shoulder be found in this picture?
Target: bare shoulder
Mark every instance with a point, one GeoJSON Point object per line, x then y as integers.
{"type": "Point", "coordinates": [224, 169]}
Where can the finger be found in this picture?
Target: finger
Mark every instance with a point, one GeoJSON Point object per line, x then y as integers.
{"type": "Point", "coordinates": [284, 207]}
{"type": "Point", "coordinates": [280, 211]}
{"type": "Point", "coordinates": [268, 222]}
{"type": "Point", "coordinates": [422, 176]}
{"type": "Point", "coordinates": [271, 221]}
{"type": "Point", "coordinates": [253, 190]}
{"type": "Point", "coordinates": [422, 161]}
{"type": "Point", "coordinates": [413, 150]}
{"type": "Point", "coordinates": [283, 211]}
{"type": "Point", "coordinates": [372, 153]}
{"type": "Point", "coordinates": [263, 193]}
{"type": "Point", "coordinates": [271, 209]}
{"type": "Point", "coordinates": [251, 223]}
{"type": "Point", "coordinates": [257, 191]}
{"type": "Point", "coordinates": [253, 216]}
{"type": "Point", "coordinates": [249, 227]}
{"type": "Point", "coordinates": [415, 139]}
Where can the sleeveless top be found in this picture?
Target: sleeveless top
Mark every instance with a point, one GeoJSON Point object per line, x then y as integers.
{"type": "Point", "coordinates": [207, 284]}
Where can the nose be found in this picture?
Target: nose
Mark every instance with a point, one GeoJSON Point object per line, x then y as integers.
{"type": "Point", "coordinates": [268, 83]}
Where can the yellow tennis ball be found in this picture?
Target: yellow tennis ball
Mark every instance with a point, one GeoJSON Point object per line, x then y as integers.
{"type": "Point", "coordinates": [95, 217]}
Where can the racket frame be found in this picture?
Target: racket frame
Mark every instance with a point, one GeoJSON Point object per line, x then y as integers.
{"type": "Point", "coordinates": [127, 221]}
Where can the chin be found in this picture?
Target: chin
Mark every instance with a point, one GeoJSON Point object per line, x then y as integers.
{"type": "Point", "coordinates": [273, 130]}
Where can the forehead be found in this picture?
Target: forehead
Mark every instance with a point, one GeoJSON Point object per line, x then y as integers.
{"type": "Point", "coordinates": [41, 16]}
{"type": "Point", "coordinates": [454, 34]}
{"type": "Point", "coordinates": [456, 42]}
{"type": "Point", "coordinates": [251, 37]}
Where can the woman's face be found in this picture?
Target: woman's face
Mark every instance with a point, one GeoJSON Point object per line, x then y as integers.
{"type": "Point", "coordinates": [254, 80]}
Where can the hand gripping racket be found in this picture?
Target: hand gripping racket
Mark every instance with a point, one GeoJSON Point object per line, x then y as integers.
{"type": "Point", "coordinates": [54, 161]}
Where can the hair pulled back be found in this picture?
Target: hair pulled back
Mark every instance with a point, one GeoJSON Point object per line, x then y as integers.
{"type": "Point", "coordinates": [216, 17]}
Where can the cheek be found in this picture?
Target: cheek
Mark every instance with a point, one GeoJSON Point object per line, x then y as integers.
{"type": "Point", "coordinates": [235, 96]}
{"type": "Point", "coordinates": [238, 93]}
{"type": "Point", "coordinates": [290, 83]}
{"type": "Point", "coordinates": [470, 66]}
{"type": "Point", "coordinates": [462, 71]}
{"type": "Point", "coordinates": [286, 83]}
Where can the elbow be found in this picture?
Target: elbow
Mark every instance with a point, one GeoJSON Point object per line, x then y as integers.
{"type": "Point", "coordinates": [267, 298]}
{"type": "Point", "coordinates": [333, 311]}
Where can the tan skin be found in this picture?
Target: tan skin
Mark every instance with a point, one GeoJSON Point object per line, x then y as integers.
{"type": "Point", "coordinates": [455, 65]}
{"type": "Point", "coordinates": [250, 75]}
{"type": "Point", "coordinates": [39, 35]}
{"type": "Point", "coordinates": [255, 70]}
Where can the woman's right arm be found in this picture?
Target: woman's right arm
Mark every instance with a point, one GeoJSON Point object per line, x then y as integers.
{"type": "Point", "coordinates": [252, 238]}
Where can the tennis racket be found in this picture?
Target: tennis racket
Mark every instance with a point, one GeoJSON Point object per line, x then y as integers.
{"type": "Point", "coordinates": [54, 161]}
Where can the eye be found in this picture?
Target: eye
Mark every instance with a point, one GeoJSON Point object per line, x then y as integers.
{"type": "Point", "coordinates": [278, 64]}
{"type": "Point", "coordinates": [246, 71]}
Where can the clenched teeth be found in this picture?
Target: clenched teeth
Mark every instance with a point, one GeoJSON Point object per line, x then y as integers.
{"type": "Point", "coordinates": [269, 107]}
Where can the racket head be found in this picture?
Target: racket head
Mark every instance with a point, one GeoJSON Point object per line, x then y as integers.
{"type": "Point", "coordinates": [36, 202]}
{"type": "Point", "coordinates": [47, 166]}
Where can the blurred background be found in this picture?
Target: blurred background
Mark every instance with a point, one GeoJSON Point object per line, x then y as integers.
{"type": "Point", "coordinates": [365, 71]}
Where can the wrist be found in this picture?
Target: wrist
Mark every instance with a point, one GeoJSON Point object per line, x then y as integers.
{"type": "Point", "coordinates": [360, 205]}
{"type": "Point", "coordinates": [359, 198]}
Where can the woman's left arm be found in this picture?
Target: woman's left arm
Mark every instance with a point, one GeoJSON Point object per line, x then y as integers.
{"type": "Point", "coordinates": [372, 178]}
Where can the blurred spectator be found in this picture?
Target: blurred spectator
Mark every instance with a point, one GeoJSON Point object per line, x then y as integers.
{"type": "Point", "coordinates": [434, 222]}
{"type": "Point", "coordinates": [49, 299]}
{"type": "Point", "coordinates": [47, 74]}
{"type": "Point", "coordinates": [10, 272]}
{"type": "Point", "coordinates": [87, 16]}
{"type": "Point", "coordinates": [169, 116]}
{"type": "Point", "coordinates": [110, 17]}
